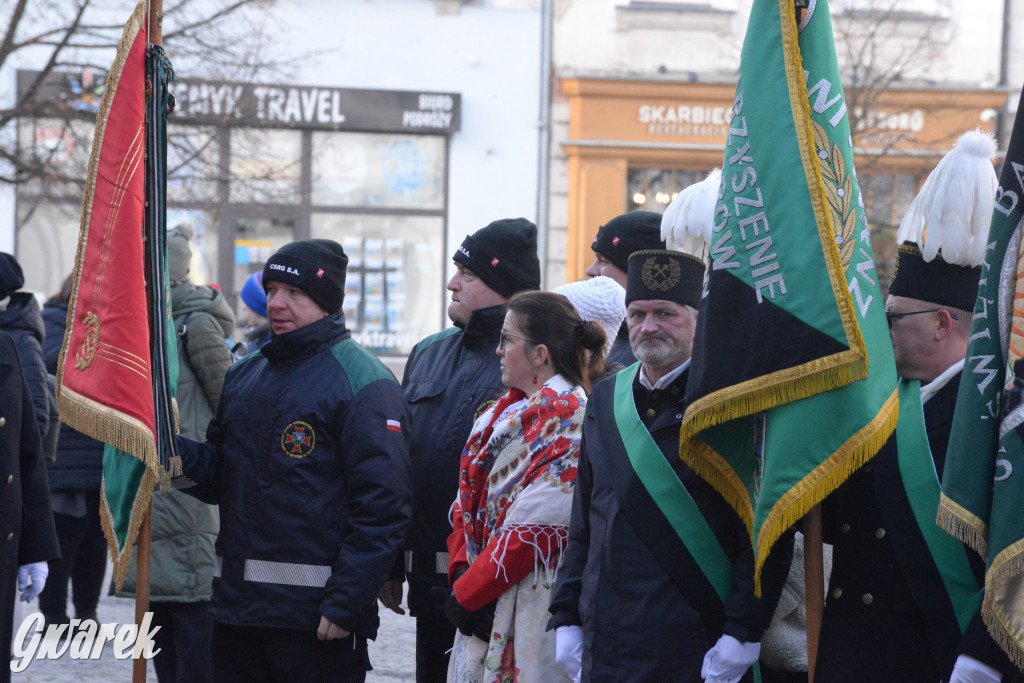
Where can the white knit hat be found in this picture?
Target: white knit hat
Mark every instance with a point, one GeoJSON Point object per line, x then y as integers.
{"type": "Point", "coordinates": [600, 299]}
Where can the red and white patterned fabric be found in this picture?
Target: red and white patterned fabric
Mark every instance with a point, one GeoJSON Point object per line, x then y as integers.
{"type": "Point", "coordinates": [510, 525]}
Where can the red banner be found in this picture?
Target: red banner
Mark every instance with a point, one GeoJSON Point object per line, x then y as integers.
{"type": "Point", "coordinates": [106, 388]}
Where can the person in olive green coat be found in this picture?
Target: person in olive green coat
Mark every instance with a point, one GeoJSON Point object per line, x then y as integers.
{"type": "Point", "coordinates": [184, 528]}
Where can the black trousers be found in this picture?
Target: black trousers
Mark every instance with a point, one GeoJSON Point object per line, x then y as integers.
{"type": "Point", "coordinates": [263, 654]}
{"type": "Point", "coordinates": [434, 641]}
{"type": "Point", "coordinates": [183, 641]}
{"type": "Point", "coordinates": [83, 560]}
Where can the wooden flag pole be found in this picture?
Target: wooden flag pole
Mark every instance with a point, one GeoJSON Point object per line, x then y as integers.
{"type": "Point", "coordinates": [145, 537]}
{"type": "Point", "coordinates": [814, 585]}
{"type": "Point", "coordinates": [142, 555]}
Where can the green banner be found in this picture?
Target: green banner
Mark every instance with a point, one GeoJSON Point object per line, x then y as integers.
{"type": "Point", "coordinates": [983, 480]}
{"type": "Point", "coordinates": [792, 320]}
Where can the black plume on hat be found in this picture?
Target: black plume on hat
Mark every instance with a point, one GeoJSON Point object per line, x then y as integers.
{"type": "Point", "coordinates": [622, 235]}
{"type": "Point", "coordinates": [315, 266]}
{"type": "Point", "coordinates": [504, 255]}
{"type": "Point", "coordinates": [666, 275]}
{"type": "Point", "coordinates": [11, 277]}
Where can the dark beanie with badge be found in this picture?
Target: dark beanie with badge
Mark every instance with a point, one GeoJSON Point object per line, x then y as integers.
{"type": "Point", "coordinates": [11, 277]}
{"type": "Point", "coordinates": [665, 275]}
{"type": "Point", "coordinates": [316, 266]}
{"type": "Point", "coordinates": [622, 235]}
{"type": "Point", "coordinates": [503, 255]}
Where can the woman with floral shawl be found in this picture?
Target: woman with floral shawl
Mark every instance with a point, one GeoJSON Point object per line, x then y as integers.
{"type": "Point", "coordinates": [517, 476]}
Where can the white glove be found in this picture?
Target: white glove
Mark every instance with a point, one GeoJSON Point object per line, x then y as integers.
{"type": "Point", "coordinates": [569, 650]}
{"type": "Point", "coordinates": [37, 571]}
{"type": "Point", "coordinates": [728, 660]}
{"type": "Point", "coordinates": [970, 670]}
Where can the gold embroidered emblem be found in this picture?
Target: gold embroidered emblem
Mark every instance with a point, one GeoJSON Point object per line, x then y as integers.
{"type": "Point", "coordinates": [92, 340]}
{"type": "Point", "coordinates": [660, 277]}
{"type": "Point", "coordinates": [298, 440]}
{"type": "Point", "coordinates": [838, 182]}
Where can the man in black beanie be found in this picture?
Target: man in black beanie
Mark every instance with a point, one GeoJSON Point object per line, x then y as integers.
{"type": "Point", "coordinates": [308, 460]}
{"type": "Point", "coordinates": [449, 380]}
{"type": "Point", "coordinates": [616, 240]}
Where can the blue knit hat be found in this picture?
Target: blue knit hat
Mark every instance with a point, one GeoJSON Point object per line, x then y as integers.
{"type": "Point", "coordinates": [253, 295]}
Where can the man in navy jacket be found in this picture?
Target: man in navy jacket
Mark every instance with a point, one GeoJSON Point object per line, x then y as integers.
{"type": "Point", "coordinates": [308, 460]}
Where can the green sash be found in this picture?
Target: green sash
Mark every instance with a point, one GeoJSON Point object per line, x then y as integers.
{"type": "Point", "coordinates": [668, 492]}
{"type": "Point", "coordinates": [922, 486]}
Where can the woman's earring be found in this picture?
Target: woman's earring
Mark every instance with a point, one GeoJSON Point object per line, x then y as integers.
{"type": "Point", "coordinates": [535, 379]}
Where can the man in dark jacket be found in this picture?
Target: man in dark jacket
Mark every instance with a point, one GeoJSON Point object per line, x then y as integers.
{"type": "Point", "coordinates": [656, 583]}
{"type": "Point", "coordinates": [889, 614]}
{"type": "Point", "coordinates": [21, 318]}
{"type": "Point", "coordinates": [75, 477]}
{"type": "Point", "coordinates": [26, 521]}
{"type": "Point", "coordinates": [307, 458]}
{"type": "Point", "coordinates": [449, 380]}
{"type": "Point", "coordinates": [615, 241]}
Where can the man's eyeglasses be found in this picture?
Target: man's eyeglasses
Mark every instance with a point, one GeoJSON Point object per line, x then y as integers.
{"type": "Point", "coordinates": [503, 340]}
{"type": "Point", "coordinates": [890, 316]}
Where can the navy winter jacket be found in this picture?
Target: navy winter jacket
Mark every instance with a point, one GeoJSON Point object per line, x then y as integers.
{"type": "Point", "coordinates": [307, 458]}
{"type": "Point", "coordinates": [79, 465]}
{"type": "Point", "coordinates": [22, 320]}
{"type": "Point", "coordinates": [451, 378]}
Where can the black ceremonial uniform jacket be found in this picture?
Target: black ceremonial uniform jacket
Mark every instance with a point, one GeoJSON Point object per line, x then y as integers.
{"type": "Point", "coordinates": [27, 533]}
{"type": "Point", "coordinates": [450, 379]}
{"type": "Point", "coordinates": [307, 459]}
{"type": "Point", "coordinates": [648, 612]}
{"type": "Point", "coordinates": [887, 615]}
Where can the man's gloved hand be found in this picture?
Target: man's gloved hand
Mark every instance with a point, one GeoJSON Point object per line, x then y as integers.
{"type": "Point", "coordinates": [569, 650]}
{"type": "Point", "coordinates": [970, 670]}
{"type": "Point", "coordinates": [728, 660]}
{"type": "Point", "coordinates": [37, 572]}
{"type": "Point", "coordinates": [390, 596]}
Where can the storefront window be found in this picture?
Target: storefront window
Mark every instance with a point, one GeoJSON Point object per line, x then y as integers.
{"type": "Point", "coordinates": [203, 267]}
{"type": "Point", "coordinates": [256, 240]}
{"type": "Point", "coordinates": [62, 149]}
{"type": "Point", "coordinates": [265, 165]}
{"type": "Point", "coordinates": [193, 163]}
{"type": "Point", "coordinates": [378, 170]}
{"type": "Point", "coordinates": [47, 240]}
{"type": "Point", "coordinates": [653, 189]}
{"type": "Point", "coordinates": [394, 289]}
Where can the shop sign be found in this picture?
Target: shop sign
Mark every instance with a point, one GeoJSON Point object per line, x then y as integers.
{"type": "Point", "coordinates": [278, 105]}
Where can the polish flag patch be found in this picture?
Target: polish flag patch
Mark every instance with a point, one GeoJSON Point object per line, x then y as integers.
{"type": "Point", "coordinates": [394, 426]}
{"type": "Point", "coordinates": [494, 262]}
{"type": "Point", "coordinates": [320, 272]}
{"type": "Point", "coordinates": [615, 240]}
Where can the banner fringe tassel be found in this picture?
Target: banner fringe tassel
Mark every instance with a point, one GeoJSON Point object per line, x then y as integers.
{"type": "Point", "coordinates": [823, 480]}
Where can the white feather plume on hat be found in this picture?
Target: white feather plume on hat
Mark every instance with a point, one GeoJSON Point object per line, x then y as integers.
{"type": "Point", "coordinates": [953, 210]}
{"type": "Point", "coordinates": [686, 224]}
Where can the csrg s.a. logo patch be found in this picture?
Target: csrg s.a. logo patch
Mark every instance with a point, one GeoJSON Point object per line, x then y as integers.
{"type": "Point", "coordinates": [298, 440]}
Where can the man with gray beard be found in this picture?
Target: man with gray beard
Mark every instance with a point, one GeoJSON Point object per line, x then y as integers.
{"type": "Point", "coordinates": [656, 583]}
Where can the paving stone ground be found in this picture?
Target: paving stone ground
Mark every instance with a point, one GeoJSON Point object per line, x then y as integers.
{"type": "Point", "coordinates": [393, 655]}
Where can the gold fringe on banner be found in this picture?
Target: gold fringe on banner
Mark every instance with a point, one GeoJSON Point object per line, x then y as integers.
{"type": "Point", "coordinates": [961, 523]}
{"type": "Point", "coordinates": [1004, 596]}
{"type": "Point", "coordinates": [123, 556]}
{"type": "Point", "coordinates": [824, 479]}
{"type": "Point", "coordinates": [768, 391]}
{"type": "Point", "coordinates": [121, 431]}
{"type": "Point", "coordinates": [714, 469]}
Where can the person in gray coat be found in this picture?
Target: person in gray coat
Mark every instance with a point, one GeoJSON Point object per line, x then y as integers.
{"type": "Point", "coordinates": [184, 528]}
